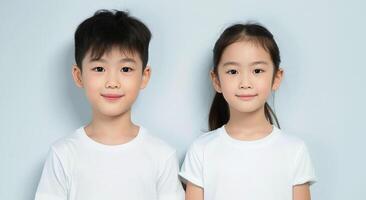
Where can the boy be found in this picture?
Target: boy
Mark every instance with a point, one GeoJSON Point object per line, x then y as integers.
{"type": "Point", "coordinates": [111, 157]}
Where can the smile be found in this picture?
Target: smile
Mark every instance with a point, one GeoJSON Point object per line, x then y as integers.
{"type": "Point", "coordinates": [246, 97]}
{"type": "Point", "coordinates": [112, 97]}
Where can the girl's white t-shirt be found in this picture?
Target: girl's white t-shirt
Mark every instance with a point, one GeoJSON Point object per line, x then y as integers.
{"type": "Point", "coordinates": [264, 169]}
{"type": "Point", "coordinates": [79, 168]}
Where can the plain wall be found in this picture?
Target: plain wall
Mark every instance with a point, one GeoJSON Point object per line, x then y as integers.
{"type": "Point", "coordinates": [321, 99]}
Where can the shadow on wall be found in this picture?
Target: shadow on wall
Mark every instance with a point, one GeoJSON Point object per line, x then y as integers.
{"type": "Point", "coordinates": [70, 102]}
{"type": "Point", "coordinates": [200, 101]}
{"type": "Point", "coordinates": [206, 90]}
{"type": "Point", "coordinates": [79, 108]}
{"type": "Point", "coordinates": [35, 176]}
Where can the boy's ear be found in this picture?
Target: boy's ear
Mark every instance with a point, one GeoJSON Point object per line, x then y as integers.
{"type": "Point", "coordinates": [277, 79]}
{"type": "Point", "coordinates": [146, 74]}
{"type": "Point", "coordinates": [76, 74]}
{"type": "Point", "coordinates": [215, 81]}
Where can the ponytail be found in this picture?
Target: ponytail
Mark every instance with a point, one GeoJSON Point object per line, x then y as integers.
{"type": "Point", "coordinates": [270, 115]}
{"type": "Point", "coordinates": [219, 112]}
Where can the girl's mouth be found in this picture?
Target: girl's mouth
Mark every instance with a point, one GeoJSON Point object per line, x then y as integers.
{"type": "Point", "coordinates": [246, 97]}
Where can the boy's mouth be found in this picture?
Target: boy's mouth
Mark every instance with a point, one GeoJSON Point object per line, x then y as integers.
{"type": "Point", "coordinates": [112, 96]}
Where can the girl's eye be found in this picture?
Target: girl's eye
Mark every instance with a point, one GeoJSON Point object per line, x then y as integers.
{"type": "Point", "coordinates": [98, 69]}
{"type": "Point", "coordinates": [257, 71]}
{"type": "Point", "coordinates": [232, 71]}
{"type": "Point", "coordinates": [126, 69]}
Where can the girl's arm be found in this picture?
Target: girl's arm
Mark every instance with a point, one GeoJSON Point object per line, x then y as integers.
{"type": "Point", "coordinates": [193, 192]}
{"type": "Point", "coordinates": [301, 192]}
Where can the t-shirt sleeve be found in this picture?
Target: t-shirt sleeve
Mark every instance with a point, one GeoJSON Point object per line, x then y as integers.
{"type": "Point", "coordinates": [53, 182]}
{"type": "Point", "coordinates": [303, 169]}
{"type": "Point", "coordinates": [169, 187]}
{"type": "Point", "coordinates": [192, 166]}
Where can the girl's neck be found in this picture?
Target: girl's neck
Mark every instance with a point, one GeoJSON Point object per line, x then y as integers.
{"type": "Point", "coordinates": [249, 125]}
{"type": "Point", "coordinates": [112, 130]}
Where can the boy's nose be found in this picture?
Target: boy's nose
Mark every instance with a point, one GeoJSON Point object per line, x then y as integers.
{"type": "Point", "coordinates": [112, 84]}
{"type": "Point", "coordinates": [112, 80]}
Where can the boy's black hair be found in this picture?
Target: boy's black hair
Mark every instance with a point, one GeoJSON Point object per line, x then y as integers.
{"type": "Point", "coordinates": [107, 29]}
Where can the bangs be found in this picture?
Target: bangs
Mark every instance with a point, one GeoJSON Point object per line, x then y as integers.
{"type": "Point", "coordinates": [98, 50]}
{"type": "Point", "coordinates": [266, 43]}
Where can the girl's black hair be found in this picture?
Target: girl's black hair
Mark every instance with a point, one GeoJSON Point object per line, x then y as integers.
{"type": "Point", "coordinates": [107, 29]}
{"type": "Point", "coordinates": [219, 112]}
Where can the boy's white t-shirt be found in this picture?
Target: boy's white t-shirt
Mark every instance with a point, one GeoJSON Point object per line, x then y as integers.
{"type": "Point", "coordinates": [264, 169]}
{"type": "Point", "coordinates": [79, 168]}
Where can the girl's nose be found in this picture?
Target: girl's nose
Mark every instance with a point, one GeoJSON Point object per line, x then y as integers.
{"type": "Point", "coordinates": [245, 81]}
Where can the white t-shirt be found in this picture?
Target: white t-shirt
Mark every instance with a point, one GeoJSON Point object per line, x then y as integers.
{"type": "Point", "coordinates": [264, 169]}
{"type": "Point", "coordinates": [79, 168]}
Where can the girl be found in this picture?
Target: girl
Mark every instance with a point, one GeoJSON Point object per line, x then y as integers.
{"type": "Point", "coordinates": [245, 156]}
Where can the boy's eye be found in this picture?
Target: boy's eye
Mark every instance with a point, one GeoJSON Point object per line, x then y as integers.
{"type": "Point", "coordinates": [232, 71]}
{"type": "Point", "coordinates": [98, 69]}
{"type": "Point", "coordinates": [126, 69]}
{"type": "Point", "coordinates": [257, 71]}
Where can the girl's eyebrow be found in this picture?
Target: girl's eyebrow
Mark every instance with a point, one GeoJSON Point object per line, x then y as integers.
{"type": "Point", "coordinates": [231, 63]}
{"type": "Point", "coordinates": [258, 63]}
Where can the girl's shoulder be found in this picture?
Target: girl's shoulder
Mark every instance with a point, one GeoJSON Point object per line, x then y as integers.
{"type": "Point", "coordinates": [207, 139]}
{"type": "Point", "coordinates": [290, 140]}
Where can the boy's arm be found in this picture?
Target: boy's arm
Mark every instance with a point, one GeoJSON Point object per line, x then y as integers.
{"type": "Point", "coordinates": [169, 187]}
{"type": "Point", "coordinates": [53, 183]}
{"type": "Point", "coordinates": [301, 192]}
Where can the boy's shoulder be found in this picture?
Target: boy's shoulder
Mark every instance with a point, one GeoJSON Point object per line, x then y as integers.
{"type": "Point", "coordinates": [154, 144]}
{"type": "Point", "coordinates": [69, 147]}
{"type": "Point", "coordinates": [68, 143]}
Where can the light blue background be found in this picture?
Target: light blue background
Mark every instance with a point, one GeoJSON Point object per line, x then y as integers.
{"type": "Point", "coordinates": [321, 100]}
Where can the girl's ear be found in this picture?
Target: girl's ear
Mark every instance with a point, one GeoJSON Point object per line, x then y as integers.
{"type": "Point", "coordinates": [76, 74]}
{"type": "Point", "coordinates": [215, 81]}
{"type": "Point", "coordinates": [277, 79]}
{"type": "Point", "coordinates": [146, 74]}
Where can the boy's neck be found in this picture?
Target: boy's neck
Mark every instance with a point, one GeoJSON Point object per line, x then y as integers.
{"type": "Point", "coordinates": [248, 126]}
{"type": "Point", "coordinates": [112, 130]}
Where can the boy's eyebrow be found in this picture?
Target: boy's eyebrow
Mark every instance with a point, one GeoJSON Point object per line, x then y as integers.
{"type": "Point", "coordinates": [128, 60]}
{"type": "Point", "coordinates": [105, 61]}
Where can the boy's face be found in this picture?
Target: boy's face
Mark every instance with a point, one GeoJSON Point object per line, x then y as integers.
{"type": "Point", "coordinates": [112, 83]}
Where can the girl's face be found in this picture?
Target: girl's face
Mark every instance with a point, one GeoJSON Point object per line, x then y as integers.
{"type": "Point", "coordinates": [245, 76]}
